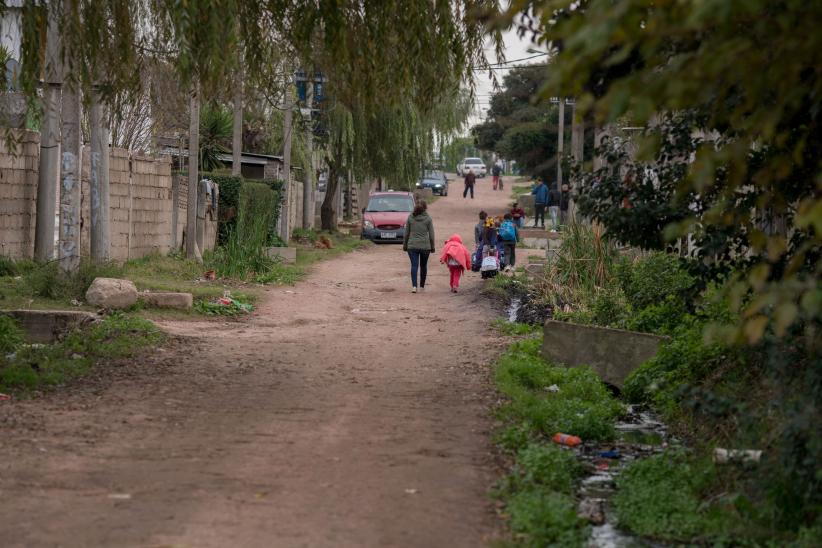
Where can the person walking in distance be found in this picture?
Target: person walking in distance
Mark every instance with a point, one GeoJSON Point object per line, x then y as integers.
{"type": "Point", "coordinates": [458, 259]}
{"type": "Point", "coordinates": [509, 234]}
{"type": "Point", "coordinates": [470, 179]}
{"type": "Point", "coordinates": [554, 199]}
{"type": "Point", "coordinates": [496, 171]}
{"type": "Point", "coordinates": [540, 193]}
{"type": "Point", "coordinates": [418, 242]}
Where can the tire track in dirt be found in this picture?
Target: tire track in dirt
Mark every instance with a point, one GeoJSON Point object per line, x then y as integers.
{"type": "Point", "coordinates": [345, 412]}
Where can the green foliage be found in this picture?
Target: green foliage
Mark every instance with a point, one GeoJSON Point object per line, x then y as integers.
{"type": "Point", "coordinates": [216, 128]}
{"type": "Point", "coordinates": [514, 328]}
{"type": "Point", "coordinates": [729, 155]}
{"type": "Point", "coordinates": [280, 274]}
{"type": "Point", "coordinates": [545, 518]}
{"type": "Point", "coordinates": [243, 254]}
{"type": "Point", "coordinates": [117, 336]}
{"type": "Point", "coordinates": [546, 466]}
{"type": "Point", "coordinates": [47, 281]}
{"type": "Point", "coordinates": [660, 497]}
{"type": "Point", "coordinates": [230, 204]}
{"type": "Point", "coordinates": [518, 129]}
{"type": "Point", "coordinates": [653, 278]}
{"type": "Point", "coordinates": [10, 335]}
{"type": "Point", "coordinates": [582, 406]}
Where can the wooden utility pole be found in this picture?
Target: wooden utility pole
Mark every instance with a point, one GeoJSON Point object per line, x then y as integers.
{"type": "Point", "coordinates": [99, 180]}
{"type": "Point", "coordinates": [68, 248]}
{"type": "Point", "coordinates": [308, 185]}
{"type": "Point", "coordinates": [192, 252]}
{"type": "Point", "coordinates": [49, 168]}
{"type": "Point", "coordinates": [285, 230]}
{"type": "Point", "coordinates": [237, 141]}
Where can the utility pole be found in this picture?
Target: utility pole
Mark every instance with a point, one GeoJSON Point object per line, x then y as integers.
{"type": "Point", "coordinates": [49, 169]}
{"type": "Point", "coordinates": [577, 149]}
{"type": "Point", "coordinates": [285, 232]}
{"type": "Point", "coordinates": [560, 137]}
{"type": "Point", "coordinates": [99, 180]}
{"type": "Point", "coordinates": [237, 142]}
{"type": "Point", "coordinates": [192, 252]}
{"type": "Point", "coordinates": [308, 186]}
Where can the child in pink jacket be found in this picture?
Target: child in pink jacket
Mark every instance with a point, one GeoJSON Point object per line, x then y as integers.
{"type": "Point", "coordinates": [458, 259]}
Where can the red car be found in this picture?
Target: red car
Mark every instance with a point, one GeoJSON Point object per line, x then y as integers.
{"type": "Point", "coordinates": [383, 220]}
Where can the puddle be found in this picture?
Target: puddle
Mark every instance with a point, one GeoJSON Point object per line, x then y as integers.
{"type": "Point", "coordinates": [513, 309]}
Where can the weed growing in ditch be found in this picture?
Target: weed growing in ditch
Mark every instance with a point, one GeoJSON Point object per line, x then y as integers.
{"type": "Point", "coordinates": [538, 491]}
{"type": "Point", "coordinates": [582, 406]}
{"type": "Point", "coordinates": [11, 336]}
{"type": "Point", "coordinates": [117, 336]}
{"type": "Point", "coordinates": [514, 329]}
{"type": "Point", "coordinates": [660, 497]}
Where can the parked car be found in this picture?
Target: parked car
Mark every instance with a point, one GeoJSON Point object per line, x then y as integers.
{"type": "Point", "coordinates": [474, 164]}
{"type": "Point", "coordinates": [383, 219]}
{"type": "Point", "coordinates": [435, 180]}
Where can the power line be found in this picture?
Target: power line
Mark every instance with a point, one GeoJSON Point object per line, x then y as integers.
{"type": "Point", "coordinates": [504, 64]}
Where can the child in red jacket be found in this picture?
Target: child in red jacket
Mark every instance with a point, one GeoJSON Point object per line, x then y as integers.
{"type": "Point", "coordinates": [458, 259]}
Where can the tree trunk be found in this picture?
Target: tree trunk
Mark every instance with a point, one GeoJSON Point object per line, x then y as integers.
{"type": "Point", "coordinates": [237, 142]}
{"type": "Point", "coordinates": [328, 211]}
{"type": "Point", "coordinates": [285, 229]}
{"type": "Point", "coordinates": [49, 169]}
{"type": "Point", "coordinates": [308, 185]}
{"type": "Point", "coordinates": [69, 238]}
{"type": "Point", "coordinates": [192, 252]}
{"type": "Point", "coordinates": [99, 181]}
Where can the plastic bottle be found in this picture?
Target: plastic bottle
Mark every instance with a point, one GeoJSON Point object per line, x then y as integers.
{"type": "Point", "coordinates": [566, 439]}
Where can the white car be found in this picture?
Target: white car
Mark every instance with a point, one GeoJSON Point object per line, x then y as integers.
{"type": "Point", "coordinates": [474, 164]}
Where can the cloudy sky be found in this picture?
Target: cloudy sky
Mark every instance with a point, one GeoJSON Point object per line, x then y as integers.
{"type": "Point", "coordinates": [515, 48]}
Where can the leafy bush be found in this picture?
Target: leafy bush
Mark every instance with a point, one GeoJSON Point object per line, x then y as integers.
{"type": "Point", "coordinates": [230, 204]}
{"type": "Point", "coordinates": [244, 251]}
{"type": "Point", "coordinates": [11, 336]}
{"type": "Point", "coordinates": [660, 497]}
{"type": "Point", "coordinates": [546, 466]}
{"type": "Point", "coordinates": [654, 278]}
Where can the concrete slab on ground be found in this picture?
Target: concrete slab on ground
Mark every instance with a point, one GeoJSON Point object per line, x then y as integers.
{"type": "Point", "coordinates": [287, 254]}
{"type": "Point", "coordinates": [180, 301]}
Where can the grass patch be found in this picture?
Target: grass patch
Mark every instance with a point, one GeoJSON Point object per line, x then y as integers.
{"type": "Point", "coordinates": [33, 367]}
{"type": "Point", "coordinates": [308, 254]}
{"type": "Point", "coordinates": [514, 329]}
{"type": "Point", "coordinates": [538, 492]}
{"type": "Point", "coordinates": [582, 406]}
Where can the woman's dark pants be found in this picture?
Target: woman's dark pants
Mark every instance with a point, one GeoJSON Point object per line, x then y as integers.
{"type": "Point", "coordinates": [419, 260]}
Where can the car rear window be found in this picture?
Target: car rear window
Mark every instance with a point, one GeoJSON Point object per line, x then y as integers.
{"type": "Point", "coordinates": [474, 161]}
{"type": "Point", "coordinates": [390, 203]}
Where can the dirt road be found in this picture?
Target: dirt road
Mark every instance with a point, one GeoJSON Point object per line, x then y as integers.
{"type": "Point", "coordinates": [346, 412]}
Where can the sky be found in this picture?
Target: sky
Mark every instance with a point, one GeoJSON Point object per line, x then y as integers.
{"type": "Point", "coordinates": [515, 48]}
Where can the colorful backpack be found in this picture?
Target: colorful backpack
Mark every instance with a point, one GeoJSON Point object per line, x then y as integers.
{"type": "Point", "coordinates": [507, 231]}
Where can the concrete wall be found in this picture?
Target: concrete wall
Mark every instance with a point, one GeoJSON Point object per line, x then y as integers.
{"type": "Point", "coordinates": [613, 353]}
{"type": "Point", "coordinates": [18, 193]}
{"type": "Point", "coordinates": [140, 218]}
{"type": "Point", "coordinates": [140, 202]}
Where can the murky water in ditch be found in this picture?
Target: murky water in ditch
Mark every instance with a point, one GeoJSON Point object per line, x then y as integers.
{"type": "Point", "coordinates": [640, 434]}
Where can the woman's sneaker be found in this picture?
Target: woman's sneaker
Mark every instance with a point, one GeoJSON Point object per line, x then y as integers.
{"type": "Point", "coordinates": [413, 289]}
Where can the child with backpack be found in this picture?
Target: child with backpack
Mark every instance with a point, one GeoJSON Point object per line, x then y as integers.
{"type": "Point", "coordinates": [458, 259]}
{"type": "Point", "coordinates": [509, 234]}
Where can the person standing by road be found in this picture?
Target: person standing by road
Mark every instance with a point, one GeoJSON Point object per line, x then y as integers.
{"type": "Point", "coordinates": [509, 234]}
{"type": "Point", "coordinates": [554, 200]}
{"type": "Point", "coordinates": [470, 179]}
{"type": "Point", "coordinates": [518, 214]}
{"type": "Point", "coordinates": [540, 193]}
{"type": "Point", "coordinates": [418, 242]}
{"type": "Point", "coordinates": [496, 171]}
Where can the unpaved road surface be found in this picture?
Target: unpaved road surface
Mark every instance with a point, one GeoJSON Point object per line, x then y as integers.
{"type": "Point", "coordinates": [345, 412]}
